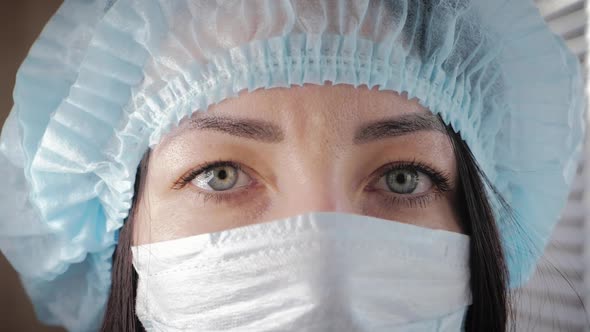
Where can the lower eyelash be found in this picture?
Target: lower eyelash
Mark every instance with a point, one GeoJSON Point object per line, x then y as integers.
{"type": "Point", "coordinates": [420, 201]}
{"type": "Point", "coordinates": [225, 197]}
{"type": "Point", "coordinates": [217, 198]}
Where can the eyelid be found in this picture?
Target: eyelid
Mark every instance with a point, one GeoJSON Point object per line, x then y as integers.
{"type": "Point", "coordinates": [190, 175]}
{"type": "Point", "coordinates": [441, 184]}
{"type": "Point", "coordinates": [422, 178]}
{"type": "Point", "coordinates": [439, 178]}
{"type": "Point", "coordinates": [240, 178]}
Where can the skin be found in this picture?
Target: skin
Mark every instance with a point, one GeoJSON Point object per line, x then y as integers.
{"type": "Point", "coordinates": [318, 165]}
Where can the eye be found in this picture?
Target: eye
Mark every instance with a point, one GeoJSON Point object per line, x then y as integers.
{"type": "Point", "coordinates": [221, 178]}
{"type": "Point", "coordinates": [405, 181]}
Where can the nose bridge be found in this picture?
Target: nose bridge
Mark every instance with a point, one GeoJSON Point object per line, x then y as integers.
{"type": "Point", "coordinates": [314, 178]}
{"type": "Point", "coordinates": [315, 183]}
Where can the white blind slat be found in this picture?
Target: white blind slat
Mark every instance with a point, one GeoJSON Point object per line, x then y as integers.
{"type": "Point", "coordinates": [551, 8]}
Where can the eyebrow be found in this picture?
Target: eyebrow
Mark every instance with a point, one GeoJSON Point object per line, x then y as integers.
{"type": "Point", "coordinates": [268, 132]}
{"type": "Point", "coordinates": [258, 130]}
{"type": "Point", "coordinates": [398, 126]}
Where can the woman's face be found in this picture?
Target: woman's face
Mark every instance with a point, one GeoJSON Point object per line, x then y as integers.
{"type": "Point", "coordinates": [282, 152]}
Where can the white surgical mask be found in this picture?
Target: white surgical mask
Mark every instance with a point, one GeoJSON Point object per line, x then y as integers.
{"type": "Point", "coordinates": [320, 271]}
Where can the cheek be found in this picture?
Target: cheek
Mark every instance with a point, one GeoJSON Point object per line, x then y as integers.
{"type": "Point", "coordinates": [446, 217]}
{"type": "Point", "coordinates": [185, 214]}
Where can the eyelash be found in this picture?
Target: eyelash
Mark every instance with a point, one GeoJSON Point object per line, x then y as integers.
{"type": "Point", "coordinates": [227, 196]}
{"type": "Point", "coordinates": [441, 183]}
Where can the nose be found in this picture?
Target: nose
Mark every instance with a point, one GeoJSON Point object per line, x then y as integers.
{"type": "Point", "coordinates": [323, 199]}
{"type": "Point", "coordinates": [319, 191]}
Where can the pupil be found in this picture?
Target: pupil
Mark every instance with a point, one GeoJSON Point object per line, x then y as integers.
{"type": "Point", "coordinates": [222, 174]}
{"type": "Point", "coordinates": [401, 178]}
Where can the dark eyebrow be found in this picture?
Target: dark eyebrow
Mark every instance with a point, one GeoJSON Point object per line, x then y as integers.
{"type": "Point", "coordinates": [248, 128]}
{"type": "Point", "coordinates": [398, 126]}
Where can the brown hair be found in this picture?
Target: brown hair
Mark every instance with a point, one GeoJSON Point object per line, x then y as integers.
{"type": "Point", "coordinates": [120, 312]}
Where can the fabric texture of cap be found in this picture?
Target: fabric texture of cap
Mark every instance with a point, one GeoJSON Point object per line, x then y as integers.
{"type": "Point", "coordinates": [107, 79]}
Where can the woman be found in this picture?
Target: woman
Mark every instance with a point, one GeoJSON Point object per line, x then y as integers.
{"type": "Point", "coordinates": [366, 165]}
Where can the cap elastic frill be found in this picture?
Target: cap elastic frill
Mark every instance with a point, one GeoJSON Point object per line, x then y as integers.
{"type": "Point", "coordinates": [96, 91]}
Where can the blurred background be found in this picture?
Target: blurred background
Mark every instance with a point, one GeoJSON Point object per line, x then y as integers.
{"type": "Point", "coordinates": [21, 21]}
{"type": "Point", "coordinates": [552, 301]}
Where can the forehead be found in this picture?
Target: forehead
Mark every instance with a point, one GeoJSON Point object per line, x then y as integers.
{"type": "Point", "coordinates": [336, 108]}
{"type": "Point", "coordinates": [325, 100]}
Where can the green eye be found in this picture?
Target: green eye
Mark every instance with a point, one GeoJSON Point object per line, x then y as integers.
{"type": "Point", "coordinates": [218, 178]}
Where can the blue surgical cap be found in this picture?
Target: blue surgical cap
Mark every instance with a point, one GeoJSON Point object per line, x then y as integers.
{"type": "Point", "coordinates": [107, 79]}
